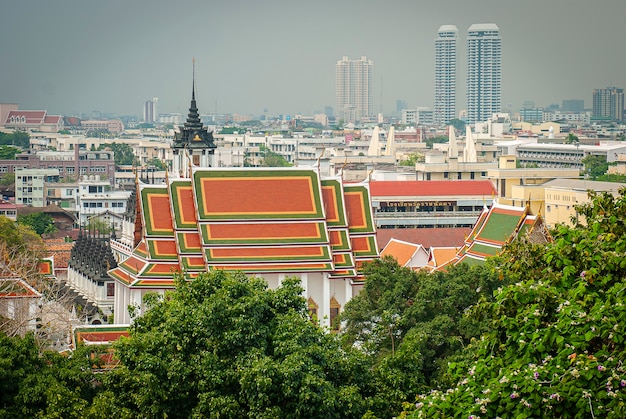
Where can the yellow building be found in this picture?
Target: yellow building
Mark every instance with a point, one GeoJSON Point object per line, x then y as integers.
{"type": "Point", "coordinates": [561, 195]}
{"type": "Point", "coordinates": [517, 185]}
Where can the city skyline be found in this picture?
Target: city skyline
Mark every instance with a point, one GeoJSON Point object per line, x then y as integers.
{"type": "Point", "coordinates": [278, 58]}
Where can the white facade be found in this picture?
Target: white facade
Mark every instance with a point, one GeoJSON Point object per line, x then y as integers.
{"type": "Point", "coordinates": [95, 196]}
{"type": "Point", "coordinates": [100, 293]}
{"type": "Point", "coordinates": [326, 297]}
{"type": "Point", "coordinates": [484, 72]}
{"type": "Point", "coordinates": [445, 74]}
{"type": "Point", "coordinates": [419, 116]}
{"type": "Point", "coordinates": [353, 91]}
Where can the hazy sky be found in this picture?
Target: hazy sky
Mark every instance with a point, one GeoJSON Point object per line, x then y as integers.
{"type": "Point", "coordinates": [71, 56]}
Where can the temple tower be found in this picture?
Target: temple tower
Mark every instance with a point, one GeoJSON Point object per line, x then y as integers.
{"type": "Point", "coordinates": [194, 143]}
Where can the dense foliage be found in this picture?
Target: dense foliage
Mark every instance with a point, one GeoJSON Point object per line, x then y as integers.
{"type": "Point", "coordinates": [43, 384]}
{"type": "Point", "coordinates": [122, 153]}
{"type": "Point", "coordinates": [224, 345]}
{"type": "Point", "coordinates": [556, 343]}
{"type": "Point", "coordinates": [40, 222]}
{"type": "Point", "coordinates": [272, 159]}
{"type": "Point", "coordinates": [595, 166]}
{"type": "Point", "coordinates": [8, 152]}
{"type": "Point", "coordinates": [408, 322]}
{"type": "Point", "coordinates": [17, 138]}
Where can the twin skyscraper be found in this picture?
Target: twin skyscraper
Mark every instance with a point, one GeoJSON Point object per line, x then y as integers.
{"type": "Point", "coordinates": [484, 72]}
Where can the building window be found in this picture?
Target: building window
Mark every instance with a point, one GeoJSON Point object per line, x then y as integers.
{"type": "Point", "coordinates": [334, 314]}
{"type": "Point", "coordinates": [110, 289]}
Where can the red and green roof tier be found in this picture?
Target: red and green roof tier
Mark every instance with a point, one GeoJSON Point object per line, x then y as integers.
{"type": "Point", "coordinates": [257, 220]}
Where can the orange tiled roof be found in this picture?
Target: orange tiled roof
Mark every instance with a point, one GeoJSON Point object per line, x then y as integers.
{"type": "Point", "coordinates": [256, 220]}
{"type": "Point", "coordinates": [402, 251]}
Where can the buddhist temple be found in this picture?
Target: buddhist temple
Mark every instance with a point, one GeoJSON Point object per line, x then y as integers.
{"type": "Point", "coordinates": [264, 221]}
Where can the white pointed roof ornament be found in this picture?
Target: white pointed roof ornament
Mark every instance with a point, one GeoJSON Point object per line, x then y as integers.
{"type": "Point", "coordinates": [374, 149]}
{"type": "Point", "coordinates": [453, 149]}
{"type": "Point", "coordinates": [469, 153]}
{"type": "Point", "coordinates": [390, 149]}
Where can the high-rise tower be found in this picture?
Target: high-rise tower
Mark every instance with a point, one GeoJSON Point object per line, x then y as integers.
{"type": "Point", "coordinates": [484, 72]}
{"type": "Point", "coordinates": [608, 103]}
{"type": "Point", "coordinates": [353, 92]}
{"type": "Point", "coordinates": [445, 74]}
{"type": "Point", "coordinates": [150, 110]}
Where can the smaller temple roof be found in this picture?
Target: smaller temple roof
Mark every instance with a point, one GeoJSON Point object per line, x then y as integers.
{"type": "Point", "coordinates": [497, 226]}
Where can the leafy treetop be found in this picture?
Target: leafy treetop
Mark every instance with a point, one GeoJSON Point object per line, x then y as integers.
{"type": "Point", "coordinates": [556, 344]}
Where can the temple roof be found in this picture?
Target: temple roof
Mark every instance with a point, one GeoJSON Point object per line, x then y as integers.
{"type": "Point", "coordinates": [496, 226]}
{"type": "Point", "coordinates": [257, 220]}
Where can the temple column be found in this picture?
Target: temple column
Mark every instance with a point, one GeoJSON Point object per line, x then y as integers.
{"type": "Point", "coordinates": [325, 303]}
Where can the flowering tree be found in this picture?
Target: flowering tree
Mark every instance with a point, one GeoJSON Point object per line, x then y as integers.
{"type": "Point", "coordinates": [557, 343]}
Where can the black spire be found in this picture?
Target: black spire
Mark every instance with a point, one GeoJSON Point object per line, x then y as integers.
{"type": "Point", "coordinates": [193, 118]}
{"type": "Point", "coordinates": [193, 134]}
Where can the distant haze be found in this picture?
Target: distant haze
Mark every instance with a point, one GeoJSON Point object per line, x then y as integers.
{"type": "Point", "coordinates": [71, 56]}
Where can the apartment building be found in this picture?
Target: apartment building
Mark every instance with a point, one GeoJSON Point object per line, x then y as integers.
{"type": "Point", "coordinates": [30, 185]}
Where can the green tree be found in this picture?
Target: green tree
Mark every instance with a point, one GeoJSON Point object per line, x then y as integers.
{"type": "Point", "coordinates": [223, 345]}
{"type": "Point", "coordinates": [8, 152]}
{"type": "Point", "coordinates": [40, 222]}
{"type": "Point", "coordinates": [411, 159]}
{"type": "Point", "coordinates": [123, 153]}
{"type": "Point", "coordinates": [571, 139]}
{"type": "Point", "coordinates": [18, 237]}
{"type": "Point", "coordinates": [595, 166]}
{"type": "Point", "coordinates": [7, 179]}
{"type": "Point", "coordinates": [271, 159]}
{"type": "Point", "coordinates": [18, 138]}
{"type": "Point", "coordinates": [158, 164]}
{"type": "Point", "coordinates": [458, 125]}
{"type": "Point", "coordinates": [612, 177]}
{"type": "Point", "coordinates": [436, 140]}
{"type": "Point", "coordinates": [556, 344]}
{"type": "Point", "coordinates": [410, 323]}
{"type": "Point", "coordinates": [43, 384]}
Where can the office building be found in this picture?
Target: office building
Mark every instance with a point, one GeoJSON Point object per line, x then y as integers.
{"type": "Point", "coordinates": [353, 89]}
{"type": "Point", "coordinates": [608, 104]}
{"type": "Point", "coordinates": [445, 74]}
{"type": "Point", "coordinates": [150, 110]}
{"type": "Point", "coordinates": [484, 72]}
